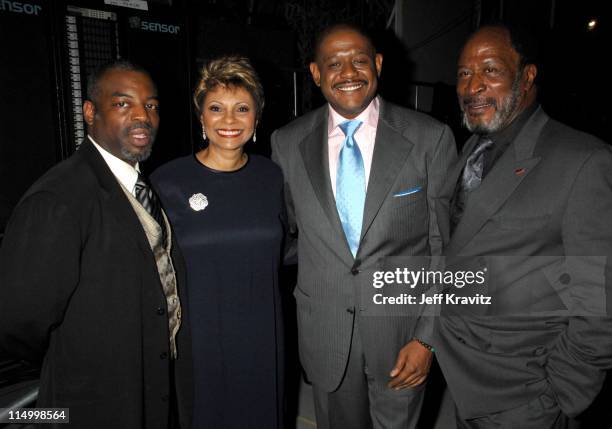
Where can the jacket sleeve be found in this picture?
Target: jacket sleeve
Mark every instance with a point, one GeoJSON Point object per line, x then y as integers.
{"type": "Point", "coordinates": [290, 252]}
{"type": "Point", "coordinates": [442, 160]}
{"type": "Point", "coordinates": [39, 270]}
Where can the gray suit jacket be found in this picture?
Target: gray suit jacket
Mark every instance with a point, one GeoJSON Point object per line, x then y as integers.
{"type": "Point", "coordinates": [549, 197]}
{"type": "Point", "coordinates": [412, 151]}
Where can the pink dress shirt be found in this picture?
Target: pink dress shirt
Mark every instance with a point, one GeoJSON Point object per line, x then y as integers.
{"type": "Point", "coordinates": [364, 137]}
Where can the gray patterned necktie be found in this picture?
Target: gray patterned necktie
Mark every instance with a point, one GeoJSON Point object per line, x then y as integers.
{"type": "Point", "coordinates": [149, 201]}
{"type": "Point", "coordinates": [470, 179]}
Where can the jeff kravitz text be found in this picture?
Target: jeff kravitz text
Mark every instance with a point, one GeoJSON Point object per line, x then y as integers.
{"type": "Point", "coordinates": [441, 279]}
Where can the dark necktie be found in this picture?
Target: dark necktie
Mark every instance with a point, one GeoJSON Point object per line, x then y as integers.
{"type": "Point", "coordinates": [350, 186]}
{"type": "Point", "coordinates": [469, 180]}
{"type": "Point", "coordinates": [148, 199]}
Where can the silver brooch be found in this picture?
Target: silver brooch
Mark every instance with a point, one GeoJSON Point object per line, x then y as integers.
{"type": "Point", "coordinates": [198, 202]}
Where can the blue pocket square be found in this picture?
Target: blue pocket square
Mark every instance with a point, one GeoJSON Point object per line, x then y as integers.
{"type": "Point", "coordinates": [408, 191]}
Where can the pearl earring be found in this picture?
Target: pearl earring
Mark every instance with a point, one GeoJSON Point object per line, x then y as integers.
{"type": "Point", "coordinates": [203, 133]}
{"type": "Point", "coordinates": [254, 136]}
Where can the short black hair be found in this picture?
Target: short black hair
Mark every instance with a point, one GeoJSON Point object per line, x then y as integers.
{"type": "Point", "coordinates": [339, 26]}
{"type": "Point", "coordinates": [93, 80]}
{"type": "Point", "coordinates": [522, 39]}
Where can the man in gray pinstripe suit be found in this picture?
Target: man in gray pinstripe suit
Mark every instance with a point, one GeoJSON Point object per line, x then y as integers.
{"type": "Point", "coordinates": [367, 367]}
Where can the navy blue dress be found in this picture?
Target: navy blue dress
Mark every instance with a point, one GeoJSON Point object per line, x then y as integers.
{"type": "Point", "coordinates": [230, 235]}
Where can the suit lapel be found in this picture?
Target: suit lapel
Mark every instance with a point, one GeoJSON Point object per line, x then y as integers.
{"type": "Point", "coordinates": [316, 161]}
{"type": "Point", "coordinates": [485, 201]}
{"type": "Point", "coordinates": [391, 151]}
{"type": "Point", "coordinates": [114, 196]}
{"type": "Point", "coordinates": [507, 174]}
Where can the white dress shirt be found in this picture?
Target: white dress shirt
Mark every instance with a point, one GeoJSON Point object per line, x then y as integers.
{"type": "Point", "coordinates": [124, 172]}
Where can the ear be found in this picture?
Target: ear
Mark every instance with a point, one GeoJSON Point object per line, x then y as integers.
{"type": "Point", "coordinates": [378, 59]}
{"type": "Point", "coordinates": [89, 111]}
{"type": "Point", "coordinates": [315, 72]}
{"type": "Point", "coordinates": [529, 74]}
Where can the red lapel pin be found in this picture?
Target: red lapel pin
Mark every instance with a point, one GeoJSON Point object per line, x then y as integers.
{"type": "Point", "coordinates": [519, 171]}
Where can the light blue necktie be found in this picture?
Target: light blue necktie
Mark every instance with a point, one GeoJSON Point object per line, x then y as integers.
{"type": "Point", "coordinates": [350, 186]}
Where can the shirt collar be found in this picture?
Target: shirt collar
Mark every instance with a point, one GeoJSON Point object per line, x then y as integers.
{"type": "Point", "coordinates": [124, 172]}
{"type": "Point", "coordinates": [508, 134]}
{"type": "Point", "coordinates": [369, 117]}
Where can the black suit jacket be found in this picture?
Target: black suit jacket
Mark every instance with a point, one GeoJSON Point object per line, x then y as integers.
{"type": "Point", "coordinates": [546, 201]}
{"type": "Point", "coordinates": [80, 292]}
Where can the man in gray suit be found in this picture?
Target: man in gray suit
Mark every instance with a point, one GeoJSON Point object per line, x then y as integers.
{"type": "Point", "coordinates": [533, 204]}
{"type": "Point", "coordinates": [362, 182]}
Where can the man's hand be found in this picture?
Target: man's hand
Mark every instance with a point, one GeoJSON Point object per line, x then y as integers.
{"type": "Point", "coordinates": [412, 366]}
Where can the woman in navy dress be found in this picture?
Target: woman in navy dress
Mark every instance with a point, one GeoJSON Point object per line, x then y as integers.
{"type": "Point", "coordinates": [226, 209]}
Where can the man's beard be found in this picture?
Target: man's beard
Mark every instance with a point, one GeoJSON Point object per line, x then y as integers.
{"type": "Point", "coordinates": [502, 113]}
{"type": "Point", "coordinates": [145, 152]}
{"type": "Point", "coordinates": [136, 157]}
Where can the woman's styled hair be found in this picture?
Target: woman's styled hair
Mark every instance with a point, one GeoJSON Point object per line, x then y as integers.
{"type": "Point", "coordinates": [230, 71]}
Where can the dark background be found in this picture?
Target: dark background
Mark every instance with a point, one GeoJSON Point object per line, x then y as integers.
{"type": "Point", "coordinates": [420, 41]}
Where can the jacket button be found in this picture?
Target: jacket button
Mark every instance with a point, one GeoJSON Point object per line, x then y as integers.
{"type": "Point", "coordinates": [482, 263]}
{"type": "Point", "coordinates": [565, 278]}
{"type": "Point", "coordinates": [164, 355]}
{"type": "Point", "coordinates": [350, 310]}
{"type": "Point", "coordinates": [161, 311]}
{"type": "Point", "coordinates": [539, 351]}
{"type": "Point", "coordinates": [354, 271]}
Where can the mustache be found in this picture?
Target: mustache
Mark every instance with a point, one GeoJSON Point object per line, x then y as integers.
{"type": "Point", "coordinates": [138, 126]}
{"type": "Point", "coordinates": [349, 82]}
{"type": "Point", "coordinates": [471, 101]}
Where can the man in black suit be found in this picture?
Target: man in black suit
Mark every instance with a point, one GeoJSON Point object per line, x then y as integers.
{"type": "Point", "coordinates": [533, 204]}
{"type": "Point", "coordinates": [91, 285]}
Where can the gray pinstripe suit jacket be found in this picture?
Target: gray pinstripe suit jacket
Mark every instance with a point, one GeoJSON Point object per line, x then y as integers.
{"type": "Point", "coordinates": [411, 150]}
